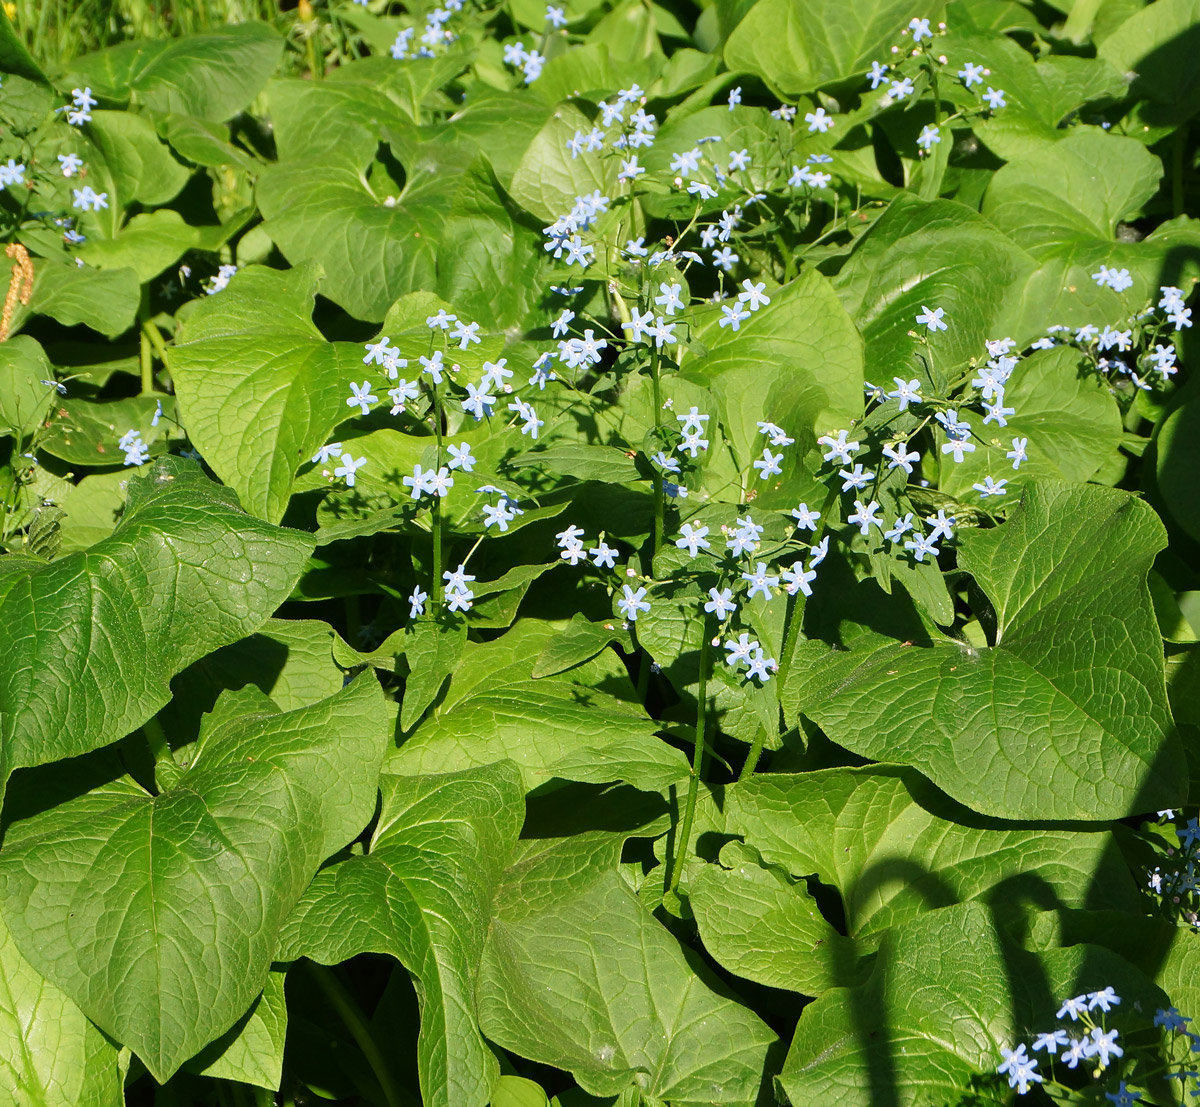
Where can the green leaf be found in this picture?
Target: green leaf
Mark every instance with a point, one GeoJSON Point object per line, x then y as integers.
{"type": "Point", "coordinates": [797, 361]}
{"type": "Point", "coordinates": [1062, 202]}
{"type": "Point", "coordinates": [50, 1055]}
{"type": "Point", "coordinates": [1024, 728]}
{"type": "Point", "coordinates": [105, 300]}
{"type": "Point", "coordinates": [1177, 455]}
{"type": "Point", "coordinates": [938, 253]}
{"type": "Point", "coordinates": [432, 649]}
{"type": "Point", "coordinates": [579, 641]}
{"type": "Point", "coordinates": [584, 462]}
{"type": "Point", "coordinates": [142, 167]}
{"type": "Point", "coordinates": [1040, 95]}
{"type": "Point", "coordinates": [548, 732]}
{"type": "Point", "coordinates": [422, 893]}
{"type": "Point", "coordinates": [213, 75]}
{"type": "Point", "coordinates": [372, 251]}
{"type": "Point", "coordinates": [289, 660]}
{"type": "Point", "coordinates": [24, 399]}
{"type": "Point", "coordinates": [947, 992]}
{"type": "Point", "coordinates": [797, 48]}
{"type": "Point", "coordinates": [516, 1091]}
{"type": "Point", "coordinates": [159, 915]}
{"type": "Point", "coordinates": [251, 1051]}
{"type": "Point", "coordinates": [491, 268]}
{"type": "Point", "coordinates": [93, 508]}
{"type": "Point", "coordinates": [1068, 414]}
{"type": "Point", "coordinates": [895, 847]}
{"type": "Point", "coordinates": [90, 641]}
{"type": "Point", "coordinates": [259, 387]}
{"type": "Point", "coordinates": [761, 925]}
{"type": "Point", "coordinates": [1158, 46]}
{"type": "Point", "coordinates": [85, 430]}
{"type": "Point", "coordinates": [572, 726]}
{"type": "Point", "coordinates": [548, 179]}
{"type": "Point", "coordinates": [619, 1002]}
{"type": "Point", "coordinates": [147, 244]}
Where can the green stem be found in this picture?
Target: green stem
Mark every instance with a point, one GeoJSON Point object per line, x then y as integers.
{"type": "Point", "coordinates": [658, 480]}
{"type": "Point", "coordinates": [150, 331]}
{"type": "Point", "coordinates": [348, 1011]}
{"type": "Point", "coordinates": [755, 753]}
{"type": "Point", "coordinates": [315, 67]}
{"type": "Point", "coordinates": [689, 810]}
{"type": "Point", "coordinates": [156, 739]}
{"type": "Point", "coordinates": [146, 361]}
{"type": "Point", "coordinates": [436, 590]}
{"type": "Point", "coordinates": [1079, 23]}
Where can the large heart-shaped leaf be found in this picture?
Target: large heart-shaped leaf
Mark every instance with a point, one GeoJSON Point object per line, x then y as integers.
{"type": "Point", "coordinates": [760, 924]}
{"type": "Point", "coordinates": [159, 915]}
{"type": "Point", "coordinates": [90, 642]}
{"type": "Point", "coordinates": [422, 893]}
{"type": "Point", "coordinates": [618, 1003]}
{"type": "Point", "coordinates": [373, 247]}
{"type": "Point", "coordinates": [1065, 716]}
{"type": "Point", "coordinates": [568, 726]}
{"type": "Point", "coordinates": [258, 385]}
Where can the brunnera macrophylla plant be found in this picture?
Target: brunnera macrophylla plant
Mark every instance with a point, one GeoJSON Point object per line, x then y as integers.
{"type": "Point", "coordinates": [602, 553]}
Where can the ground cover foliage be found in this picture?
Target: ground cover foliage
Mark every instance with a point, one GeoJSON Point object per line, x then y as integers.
{"type": "Point", "coordinates": [622, 553]}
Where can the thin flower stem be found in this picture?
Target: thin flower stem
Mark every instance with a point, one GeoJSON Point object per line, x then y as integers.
{"type": "Point", "coordinates": [689, 810]}
{"type": "Point", "coordinates": [436, 589]}
{"type": "Point", "coordinates": [792, 631]}
{"type": "Point", "coordinates": [756, 748]}
{"type": "Point", "coordinates": [658, 483]}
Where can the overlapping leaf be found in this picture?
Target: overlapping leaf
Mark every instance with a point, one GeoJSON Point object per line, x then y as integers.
{"type": "Point", "coordinates": [423, 893]}
{"type": "Point", "coordinates": [1065, 715]}
{"type": "Point", "coordinates": [50, 1054]}
{"type": "Point", "coordinates": [937, 254]}
{"type": "Point", "coordinates": [159, 915]}
{"type": "Point", "coordinates": [259, 397]}
{"type": "Point", "coordinates": [799, 48]}
{"type": "Point", "coordinates": [618, 1003]}
{"type": "Point", "coordinates": [947, 992]}
{"type": "Point", "coordinates": [89, 642]}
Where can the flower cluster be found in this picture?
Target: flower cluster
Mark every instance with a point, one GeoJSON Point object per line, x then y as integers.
{"type": "Point", "coordinates": [435, 34]}
{"type": "Point", "coordinates": [1178, 885]}
{"type": "Point", "coordinates": [1084, 1038]}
